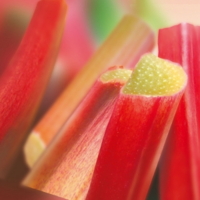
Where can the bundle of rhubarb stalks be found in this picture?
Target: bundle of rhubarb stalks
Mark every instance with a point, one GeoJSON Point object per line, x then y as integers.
{"type": "Point", "coordinates": [97, 121]}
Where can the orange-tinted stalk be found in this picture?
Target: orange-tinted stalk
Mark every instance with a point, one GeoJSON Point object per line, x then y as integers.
{"type": "Point", "coordinates": [128, 41]}
{"type": "Point", "coordinates": [24, 80]}
{"type": "Point", "coordinates": [180, 163]}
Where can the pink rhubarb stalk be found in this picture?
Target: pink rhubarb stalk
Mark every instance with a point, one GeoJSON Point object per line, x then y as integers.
{"type": "Point", "coordinates": [65, 169]}
{"type": "Point", "coordinates": [24, 81]}
{"type": "Point", "coordinates": [180, 163]}
{"type": "Point", "coordinates": [137, 131]}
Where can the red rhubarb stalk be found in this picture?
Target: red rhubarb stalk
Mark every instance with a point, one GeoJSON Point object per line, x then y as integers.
{"type": "Point", "coordinates": [24, 81]}
{"type": "Point", "coordinates": [137, 131]}
{"type": "Point", "coordinates": [180, 163]}
{"type": "Point", "coordinates": [66, 167]}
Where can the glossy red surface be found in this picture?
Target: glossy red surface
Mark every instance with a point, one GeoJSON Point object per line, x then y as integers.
{"type": "Point", "coordinates": [132, 146]}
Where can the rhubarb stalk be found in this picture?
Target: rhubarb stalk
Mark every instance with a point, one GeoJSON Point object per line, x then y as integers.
{"type": "Point", "coordinates": [137, 130]}
{"type": "Point", "coordinates": [180, 163]}
{"type": "Point", "coordinates": [24, 80]}
{"type": "Point", "coordinates": [66, 167]}
{"type": "Point", "coordinates": [124, 46]}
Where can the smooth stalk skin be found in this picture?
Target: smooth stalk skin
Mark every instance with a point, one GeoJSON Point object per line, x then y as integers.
{"type": "Point", "coordinates": [134, 139]}
{"type": "Point", "coordinates": [65, 169]}
{"type": "Point", "coordinates": [23, 82]}
{"type": "Point", "coordinates": [179, 168]}
{"type": "Point", "coordinates": [128, 41]}
{"type": "Point", "coordinates": [10, 191]}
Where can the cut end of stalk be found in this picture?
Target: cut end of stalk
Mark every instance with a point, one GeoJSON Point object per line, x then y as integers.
{"type": "Point", "coordinates": [154, 76]}
{"type": "Point", "coordinates": [34, 148]}
{"type": "Point", "coordinates": [118, 74]}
